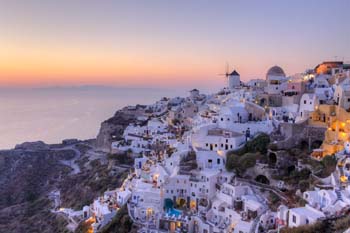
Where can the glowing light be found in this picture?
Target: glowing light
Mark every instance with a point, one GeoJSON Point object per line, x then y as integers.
{"type": "Point", "coordinates": [343, 179]}
{"type": "Point", "coordinates": [221, 153]}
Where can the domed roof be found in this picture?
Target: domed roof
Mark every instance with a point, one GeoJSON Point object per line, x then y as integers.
{"type": "Point", "coordinates": [275, 71]}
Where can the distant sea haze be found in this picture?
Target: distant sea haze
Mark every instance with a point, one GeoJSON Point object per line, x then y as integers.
{"type": "Point", "coordinates": [53, 114]}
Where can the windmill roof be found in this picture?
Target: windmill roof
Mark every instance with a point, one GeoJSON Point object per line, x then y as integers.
{"type": "Point", "coordinates": [234, 73]}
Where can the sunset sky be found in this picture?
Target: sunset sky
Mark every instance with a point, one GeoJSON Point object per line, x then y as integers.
{"type": "Point", "coordinates": [165, 43]}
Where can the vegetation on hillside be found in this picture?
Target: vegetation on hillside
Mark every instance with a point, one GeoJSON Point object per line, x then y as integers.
{"type": "Point", "coordinates": [121, 223]}
{"type": "Point", "coordinates": [244, 158]}
{"type": "Point", "coordinates": [240, 163]}
{"type": "Point", "coordinates": [334, 226]}
{"type": "Point", "coordinates": [258, 144]}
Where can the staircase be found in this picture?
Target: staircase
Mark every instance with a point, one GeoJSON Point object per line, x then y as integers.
{"type": "Point", "coordinates": [339, 197]}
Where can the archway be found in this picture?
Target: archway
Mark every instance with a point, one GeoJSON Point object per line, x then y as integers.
{"type": "Point", "coordinates": [262, 102]}
{"type": "Point", "coordinates": [347, 166]}
{"type": "Point", "coordinates": [290, 169]}
{"type": "Point", "coordinates": [272, 158]}
{"type": "Point", "coordinates": [304, 145]}
{"type": "Point", "coordinates": [316, 144]}
{"type": "Point", "coordinates": [262, 179]}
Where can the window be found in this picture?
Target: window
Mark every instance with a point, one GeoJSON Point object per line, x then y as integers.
{"type": "Point", "coordinates": [294, 219]}
{"type": "Point", "coordinates": [218, 161]}
{"type": "Point", "coordinates": [304, 101]}
{"type": "Point", "coordinates": [307, 221]}
{"type": "Point", "coordinates": [222, 119]}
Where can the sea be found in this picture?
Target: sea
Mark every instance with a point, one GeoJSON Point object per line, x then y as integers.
{"type": "Point", "coordinates": [55, 113]}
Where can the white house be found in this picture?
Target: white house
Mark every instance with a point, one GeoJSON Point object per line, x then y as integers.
{"type": "Point", "coordinates": [308, 103]}
{"type": "Point", "coordinates": [210, 160]}
{"type": "Point", "coordinates": [123, 197]}
{"type": "Point", "coordinates": [233, 114]}
{"type": "Point", "coordinates": [322, 89]}
{"type": "Point", "coordinates": [303, 215]}
{"type": "Point", "coordinates": [342, 93]}
{"type": "Point", "coordinates": [216, 139]}
{"type": "Point", "coordinates": [194, 94]}
{"type": "Point", "coordinates": [257, 84]}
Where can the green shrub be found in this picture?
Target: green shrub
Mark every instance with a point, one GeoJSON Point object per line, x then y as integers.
{"type": "Point", "coordinates": [312, 228]}
{"type": "Point", "coordinates": [304, 185]}
{"type": "Point", "coordinates": [258, 144]}
{"type": "Point", "coordinates": [121, 222]}
{"type": "Point", "coordinates": [240, 163]}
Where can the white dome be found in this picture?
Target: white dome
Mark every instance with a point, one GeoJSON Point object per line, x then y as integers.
{"type": "Point", "coordinates": [275, 71]}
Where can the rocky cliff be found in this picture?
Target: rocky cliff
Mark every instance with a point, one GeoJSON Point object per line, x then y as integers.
{"type": "Point", "coordinates": [30, 173]}
{"type": "Point", "coordinates": [113, 128]}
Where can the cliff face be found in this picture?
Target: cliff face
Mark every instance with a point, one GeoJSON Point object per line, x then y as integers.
{"type": "Point", "coordinates": [26, 177]}
{"type": "Point", "coordinates": [30, 173]}
{"type": "Point", "coordinates": [113, 128]}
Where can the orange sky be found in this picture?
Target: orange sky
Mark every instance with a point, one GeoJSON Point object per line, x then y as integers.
{"type": "Point", "coordinates": [40, 64]}
{"type": "Point", "coordinates": [163, 43]}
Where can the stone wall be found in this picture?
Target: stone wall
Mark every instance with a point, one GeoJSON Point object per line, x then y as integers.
{"type": "Point", "coordinates": [294, 134]}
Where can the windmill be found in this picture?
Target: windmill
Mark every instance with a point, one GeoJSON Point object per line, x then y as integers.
{"type": "Point", "coordinates": [226, 74]}
{"type": "Point", "coordinates": [233, 78]}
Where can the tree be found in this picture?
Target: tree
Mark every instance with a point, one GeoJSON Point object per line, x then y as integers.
{"type": "Point", "coordinates": [232, 161]}
{"type": "Point", "coordinates": [329, 163]}
{"type": "Point", "coordinates": [240, 163]}
{"type": "Point", "coordinates": [258, 144]}
{"type": "Point", "coordinates": [121, 222]}
{"type": "Point", "coordinates": [304, 185]}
